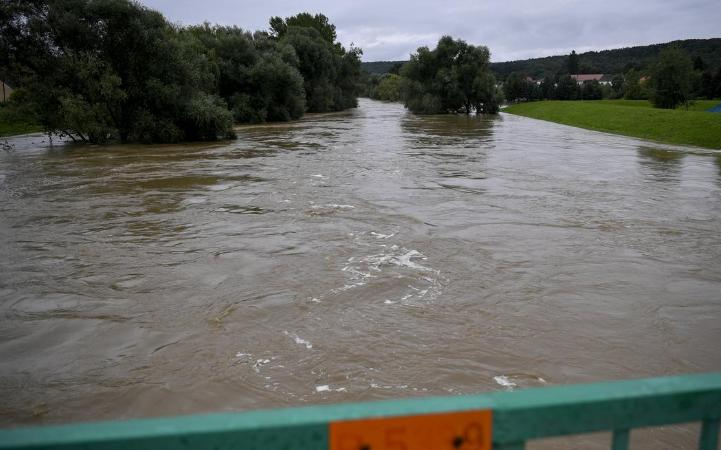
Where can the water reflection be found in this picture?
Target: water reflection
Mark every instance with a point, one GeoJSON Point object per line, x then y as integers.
{"type": "Point", "coordinates": [660, 164]}
{"type": "Point", "coordinates": [455, 146]}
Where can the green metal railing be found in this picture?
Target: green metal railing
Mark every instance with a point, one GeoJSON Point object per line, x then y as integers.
{"type": "Point", "coordinates": [514, 418]}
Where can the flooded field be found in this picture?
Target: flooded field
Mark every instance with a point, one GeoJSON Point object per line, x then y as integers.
{"type": "Point", "coordinates": [354, 256]}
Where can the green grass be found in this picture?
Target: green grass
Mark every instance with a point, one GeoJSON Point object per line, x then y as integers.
{"type": "Point", "coordinates": [11, 125]}
{"type": "Point", "coordinates": [636, 118]}
{"type": "Point", "coordinates": [697, 105]}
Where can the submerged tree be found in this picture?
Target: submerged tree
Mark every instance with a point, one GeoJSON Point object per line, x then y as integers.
{"type": "Point", "coordinates": [331, 73]}
{"type": "Point", "coordinates": [97, 70]}
{"type": "Point", "coordinates": [256, 76]}
{"type": "Point", "coordinates": [451, 78]}
{"type": "Point", "coordinates": [101, 70]}
{"type": "Point", "coordinates": [389, 88]}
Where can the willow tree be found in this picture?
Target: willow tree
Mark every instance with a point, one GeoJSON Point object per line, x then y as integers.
{"type": "Point", "coordinates": [100, 70]}
{"type": "Point", "coordinates": [453, 77]}
{"type": "Point", "coordinates": [256, 76]}
{"type": "Point", "coordinates": [330, 72]}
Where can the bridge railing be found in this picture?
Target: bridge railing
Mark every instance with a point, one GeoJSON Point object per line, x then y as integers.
{"type": "Point", "coordinates": [499, 420]}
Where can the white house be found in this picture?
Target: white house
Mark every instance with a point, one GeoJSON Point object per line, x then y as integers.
{"type": "Point", "coordinates": [601, 78]}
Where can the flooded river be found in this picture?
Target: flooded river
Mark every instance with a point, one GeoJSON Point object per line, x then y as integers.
{"type": "Point", "coordinates": [354, 256]}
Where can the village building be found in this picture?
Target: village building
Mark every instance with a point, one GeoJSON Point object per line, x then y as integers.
{"type": "Point", "coordinates": [601, 78]}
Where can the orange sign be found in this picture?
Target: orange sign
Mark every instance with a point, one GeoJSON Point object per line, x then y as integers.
{"type": "Point", "coordinates": [469, 430]}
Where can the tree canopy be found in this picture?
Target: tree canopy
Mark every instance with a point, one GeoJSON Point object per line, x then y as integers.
{"type": "Point", "coordinates": [331, 73]}
{"type": "Point", "coordinates": [102, 70]}
{"type": "Point", "coordinates": [452, 77]}
{"type": "Point", "coordinates": [573, 63]}
{"type": "Point", "coordinates": [671, 79]}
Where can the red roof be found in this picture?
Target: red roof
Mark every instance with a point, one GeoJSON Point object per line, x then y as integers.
{"type": "Point", "coordinates": [588, 77]}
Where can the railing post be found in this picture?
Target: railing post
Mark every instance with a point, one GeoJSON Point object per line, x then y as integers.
{"type": "Point", "coordinates": [709, 434]}
{"type": "Point", "coordinates": [620, 439]}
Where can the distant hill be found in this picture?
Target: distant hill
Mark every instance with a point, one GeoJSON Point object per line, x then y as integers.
{"type": "Point", "coordinates": [605, 61]}
{"type": "Point", "coordinates": [379, 67]}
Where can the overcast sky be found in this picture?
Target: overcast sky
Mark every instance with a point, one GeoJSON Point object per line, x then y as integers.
{"type": "Point", "coordinates": [512, 29]}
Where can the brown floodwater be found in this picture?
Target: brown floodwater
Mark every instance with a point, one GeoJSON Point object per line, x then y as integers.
{"type": "Point", "coordinates": [369, 254]}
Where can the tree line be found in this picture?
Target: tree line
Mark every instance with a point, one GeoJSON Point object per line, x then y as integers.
{"type": "Point", "coordinates": [113, 70]}
{"type": "Point", "coordinates": [615, 61]}
{"type": "Point", "coordinates": [670, 80]}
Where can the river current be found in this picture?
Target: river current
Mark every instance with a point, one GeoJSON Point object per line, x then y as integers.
{"type": "Point", "coordinates": [368, 254]}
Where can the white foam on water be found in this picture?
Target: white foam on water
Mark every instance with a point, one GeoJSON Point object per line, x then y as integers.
{"type": "Point", "coordinates": [388, 386]}
{"type": "Point", "coordinates": [260, 363]}
{"type": "Point", "coordinates": [405, 260]}
{"type": "Point", "coordinates": [298, 340]}
{"type": "Point", "coordinates": [505, 382]}
{"type": "Point", "coordinates": [362, 269]}
{"type": "Point", "coordinates": [220, 187]}
{"type": "Point", "coordinates": [347, 287]}
{"type": "Point", "coordinates": [382, 236]}
{"type": "Point", "coordinates": [327, 388]}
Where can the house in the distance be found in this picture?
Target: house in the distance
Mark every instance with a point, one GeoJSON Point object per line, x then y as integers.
{"type": "Point", "coordinates": [601, 78]}
{"type": "Point", "coordinates": [5, 92]}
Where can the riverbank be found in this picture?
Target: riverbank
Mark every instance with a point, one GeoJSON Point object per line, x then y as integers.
{"type": "Point", "coordinates": [632, 118]}
{"type": "Point", "coordinates": [11, 125]}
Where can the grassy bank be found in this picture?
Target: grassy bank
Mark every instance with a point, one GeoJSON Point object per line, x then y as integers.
{"type": "Point", "coordinates": [11, 125]}
{"type": "Point", "coordinates": [632, 118]}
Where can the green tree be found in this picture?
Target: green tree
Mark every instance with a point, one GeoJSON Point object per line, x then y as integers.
{"type": "Point", "coordinates": [699, 64]}
{"type": "Point", "coordinates": [331, 73]}
{"type": "Point", "coordinates": [256, 76]}
{"type": "Point", "coordinates": [573, 63]}
{"type": "Point", "coordinates": [617, 86]}
{"type": "Point", "coordinates": [548, 89]}
{"type": "Point", "coordinates": [591, 90]}
{"type": "Point", "coordinates": [97, 70]}
{"type": "Point", "coordinates": [517, 87]}
{"type": "Point", "coordinates": [632, 89]}
{"type": "Point", "coordinates": [389, 88]}
{"type": "Point", "coordinates": [319, 22]}
{"type": "Point", "coordinates": [567, 88]}
{"type": "Point", "coordinates": [671, 79]}
{"type": "Point", "coordinates": [452, 77]}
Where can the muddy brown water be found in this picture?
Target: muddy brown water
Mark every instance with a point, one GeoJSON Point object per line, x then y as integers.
{"type": "Point", "coordinates": [370, 254]}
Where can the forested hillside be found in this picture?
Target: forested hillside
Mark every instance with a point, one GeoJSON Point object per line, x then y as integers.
{"type": "Point", "coordinates": [605, 61]}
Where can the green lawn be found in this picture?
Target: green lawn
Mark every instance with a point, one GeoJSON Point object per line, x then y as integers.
{"type": "Point", "coordinates": [635, 118]}
{"type": "Point", "coordinates": [697, 105]}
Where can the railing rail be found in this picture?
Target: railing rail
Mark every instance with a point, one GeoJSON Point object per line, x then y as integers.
{"type": "Point", "coordinates": [513, 419]}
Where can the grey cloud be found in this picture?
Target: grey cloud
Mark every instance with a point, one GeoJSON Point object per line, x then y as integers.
{"type": "Point", "coordinates": [512, 29]}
